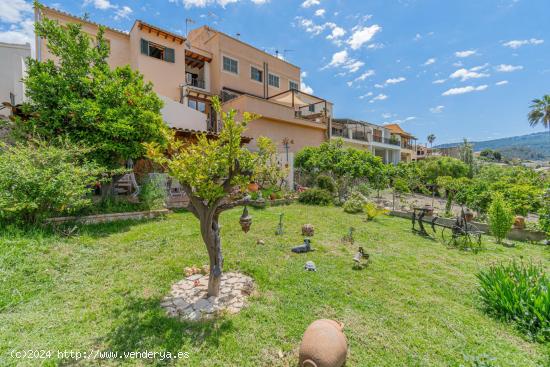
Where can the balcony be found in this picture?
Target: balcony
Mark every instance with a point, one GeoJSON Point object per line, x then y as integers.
{"type": "Point", "coordinates": [197, 83]}
{"type": "Point", "coordinates": [381, 140]}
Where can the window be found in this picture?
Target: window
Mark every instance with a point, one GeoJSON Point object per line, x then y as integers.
{"type": "Point", "coordinates": [196, 105]}
{"type": "Point", "coordinates": [230, 65]}
{"type": "Point", "coordinates": [157, 51]}
{"type": "Point", "coordinates": [256, 74]}
{"type": "Point", "coordinates": [273, 80]}
{"type": "Point", "coordinates": [293, 85]}
{"type": "Point", "coordinates": [311, 108]}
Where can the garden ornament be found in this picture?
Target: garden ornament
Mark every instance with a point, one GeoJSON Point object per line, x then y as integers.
{"type": "Point", "coordinates": [305, 247]}
{"type": "Point", "coordinates": [349, 237]}
{"type": "Point", "coordinates": [245, 220]}
{"type": "Point", "coordinates": [308, 230]}
{"type": "Point", "coordinates": [360, 256]}
{"type": "Point", "coordinates": [280, 229]}
{"type": "Point", "coordinates": [310, 266]}
{"type": "Point", "coordinates": [323, 345]}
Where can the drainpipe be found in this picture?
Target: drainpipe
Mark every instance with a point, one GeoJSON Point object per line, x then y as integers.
{"type": "Point", "coordinates": [266, 76]}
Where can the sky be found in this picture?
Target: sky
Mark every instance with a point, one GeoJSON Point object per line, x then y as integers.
{"type": "Point", "coordinates": [457, 69]}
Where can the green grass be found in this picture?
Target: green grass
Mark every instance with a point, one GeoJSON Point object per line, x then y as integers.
{"type": "Point", "coordinates": [415, 305]}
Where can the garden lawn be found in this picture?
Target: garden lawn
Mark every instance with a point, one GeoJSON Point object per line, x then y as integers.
{"type": "Point", "coordinates": [415, 305]}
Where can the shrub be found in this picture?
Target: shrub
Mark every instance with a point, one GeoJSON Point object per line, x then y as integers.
{"type": "Point", "coordinates": [38, 181]}
{"type": "Point", "coordinates": [364, 189]}
{"type": "Point", "coordinates": [354, 204]}
{"type": "Point", "coordinates": [500, 217]}
{"type": "Point", "coordinates": [315, 197]}
{"type": "Point", "coordinates": [372, 211]}
{"type": "Point", "coordinates": [326, 183]}
{"type": "Point", "coordinates": [519, 293]}
{"type": "Point", "coordinates": [400, 185]}
{"type": "Point", "coordinates": [153, 193]}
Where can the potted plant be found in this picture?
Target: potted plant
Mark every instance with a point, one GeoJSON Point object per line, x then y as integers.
{"type": "Point", "coordinates": [519, 222]}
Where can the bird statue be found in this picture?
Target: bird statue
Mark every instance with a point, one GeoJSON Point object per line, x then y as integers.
{"type": "Point", "coordinates": [361, 258]}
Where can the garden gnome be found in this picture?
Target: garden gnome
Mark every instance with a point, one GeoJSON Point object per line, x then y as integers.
{"type": "Point", "coordinates": [323, 345]}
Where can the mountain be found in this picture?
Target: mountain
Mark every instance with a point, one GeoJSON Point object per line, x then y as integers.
{"type": "Point", "coordinates": [533, 146]}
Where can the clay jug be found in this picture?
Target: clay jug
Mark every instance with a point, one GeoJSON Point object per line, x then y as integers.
{"type": "Point", "coordinates": [323, 345]}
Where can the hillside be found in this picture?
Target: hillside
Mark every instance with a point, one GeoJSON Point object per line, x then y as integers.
{"type": "Point", "coordinates": [533, 146]}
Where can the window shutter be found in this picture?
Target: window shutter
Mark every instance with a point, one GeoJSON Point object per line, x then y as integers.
{"type": "Point", "coordinates": [144, 47]}
{"type": "Point", "coordinates": [169, 54]}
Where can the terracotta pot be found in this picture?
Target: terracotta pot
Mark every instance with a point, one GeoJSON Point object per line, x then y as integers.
{"type": "Point", "coordinates": [429, 210]}
{"type": "Point", "coordinates": [519, 222]}
{"type": "Point", "coordinates": [253, 187]}
{"type": "Point", "coordinates": [468, 216]}
{"type": "Point", "coordinates": [323, 345]}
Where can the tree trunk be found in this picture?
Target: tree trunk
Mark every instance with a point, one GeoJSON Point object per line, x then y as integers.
{"type": "Point", "coordinates": [210, 232]}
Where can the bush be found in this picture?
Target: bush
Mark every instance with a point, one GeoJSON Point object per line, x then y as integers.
{"type": "Point", "coordinates": [315, 197]}
{"type": "Point", "coordinates": [326, 183]}
{"type": "Point", "coordinates": [372, 211]}
{"type": "Point", "coordinates": [519, 293]}
{"type": "Point", "coordinates": [400, 185]}
{"type": "Point", "coordinates": [500, 217]}
{"type": "Point", "coordinates": [38, 181]}
{"type": "Point", "coordinates": [354, 204]}
{"type": "Point", "coordinates": [153, 193]}
{"type": "Point", "coordinates": [364, 189]}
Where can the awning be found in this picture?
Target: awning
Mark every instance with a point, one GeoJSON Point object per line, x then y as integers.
{"type": "Point", "coordinates": [290, 98]}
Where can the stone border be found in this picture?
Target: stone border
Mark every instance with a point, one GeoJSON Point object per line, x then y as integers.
{"type": "Point", "coordinates": [189, 301]}
{"type": "Point", "coordinates": [514, 234]}
{"type": "Point", "coordinates": [111, 217]}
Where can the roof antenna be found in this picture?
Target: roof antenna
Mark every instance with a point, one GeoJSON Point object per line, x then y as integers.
{"type": "Point", "coordinates": [187, 22]}
{"type": "Point", "coordinates": [238, 35]}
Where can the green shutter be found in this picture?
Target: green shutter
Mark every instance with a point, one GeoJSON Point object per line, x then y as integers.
{"type": "Point", "coordinates": [169, 54]}
{"type": "Point", "coordinates": [144, 47]}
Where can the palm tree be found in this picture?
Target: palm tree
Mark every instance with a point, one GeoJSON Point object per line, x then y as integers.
{"type": "Point", "coordinates": [540, 112]}
{"type": "Point", "coordinates": [431, 139]}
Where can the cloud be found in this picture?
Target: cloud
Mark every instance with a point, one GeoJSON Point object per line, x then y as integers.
{"type": "Point", "coordinates": [123, 13]}
{"type": "Point", "coordinates": [429, 61]}
{"type": "Point", "coordinates": [502, 82]}
{"type": "Point", "coordinates": [363, 35]}
{"type": "Point", "coordinates": [465, 74]}
{"type": "Point", "coordinates": [100, 4]}
{"type": "Point", "coordinates": [342, 59]}
{"type": "Point", "coordinates": [311, 27]}
{"type": "Point", "coordinates": [204, 3]}
{"type": "Point", "coordinates": [14, 11]}
{"type": "Point", "coordinates": [518, 43]}
{"type": "Point", "coordinates": [437, 109]}
{"type": "Point", "coordinates": [366, 95]}
{"type": "Point", "coordinates": [439, 81]}
{"type": "Point", "coordinates": [504, 68]}
{"type": "Point", "coordinates": [379, 97]}
{"type": "Point", "coordinates": [395, 80]}
{"type": "Point", "coordinates": [20, 33]}
{"type": "Point", "coordinates": [466, 53]}
{"type": "Point", "coordinates": [361, 77]}
{"type": "Point", "coordinates": [310, 3]}
{"type": "Point", "coordinates": [336, 33]}
{"type": "Point", "coordinates": [320, 12]}
{"type": "Point", "coordinates": [375, 46]}
{"type": "Point", "coordinates": [462, 90]}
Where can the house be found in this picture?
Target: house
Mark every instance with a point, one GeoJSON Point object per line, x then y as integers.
{"type": "Point", "coordinates": [377, 139]}
{"type": "Point", "coordinates": [12, 71]}
{"type": "Point", "coordinates": [187, 72]}
{"type": "Point", "coordinates": [251, 80]}
{"type": "Point", "coordinates": [422, 152]}
{"type": "Point", "coordinates": [408, 142]}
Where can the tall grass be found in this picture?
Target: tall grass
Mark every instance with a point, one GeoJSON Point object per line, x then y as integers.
{"type": "Point", "coordinates": [518, 293]}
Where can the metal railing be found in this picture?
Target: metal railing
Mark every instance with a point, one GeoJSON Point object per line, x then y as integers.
{"type": "Point", "coordinates": [198, 83]}
{"type": "Point", "coordinates": [380, 139]}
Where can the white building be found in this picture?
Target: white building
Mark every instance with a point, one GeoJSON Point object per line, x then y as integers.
{"type": "Point", "coordinates": [12, 71]}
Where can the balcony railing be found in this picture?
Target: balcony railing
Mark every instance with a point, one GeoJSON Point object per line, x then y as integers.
{"type": "Point", "coordinates": [382, 140]}
{"type": "Point", "coordinates": [197, 83]}
{"type": "Point", "coordinates": [406, 146]}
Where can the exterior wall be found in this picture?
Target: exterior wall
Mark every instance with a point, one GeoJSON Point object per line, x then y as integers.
{"type": "Point", "coordinates": [119, 42]}
{"type": "Point", "coordinates": [12, 70]}
{"type": "Point", "coordinates": [277, 122]}
{"type": "Point", "coordinates": [220, 44]}
{"type": "Point", "coordinates": [180, 116]}
{"type": "Point", "coordinates": [165, 76]}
